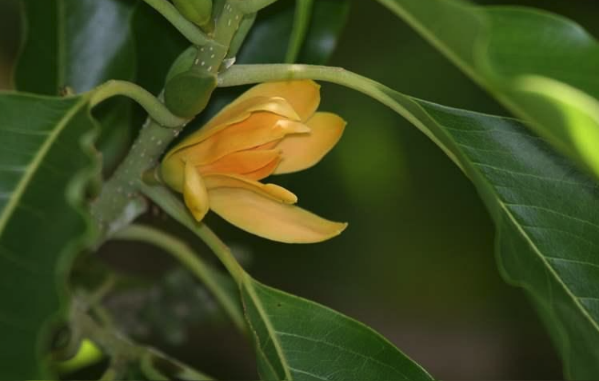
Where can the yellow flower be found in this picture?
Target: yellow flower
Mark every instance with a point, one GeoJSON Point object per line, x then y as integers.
{"type": "Point", "coordinates": [273, 128]}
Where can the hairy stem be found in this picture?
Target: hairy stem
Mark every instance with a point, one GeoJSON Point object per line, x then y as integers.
{"type": "Point", "coordinates": [155, 109]}
{"type": "Point", "coordinates": [184, 26]}
{"type": "Point", "coordinates": [180, 251]}
{"type": "Point", "coordinates": [120, 202]}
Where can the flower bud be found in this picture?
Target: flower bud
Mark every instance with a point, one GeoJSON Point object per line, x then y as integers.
{"type": "Point", "coordinates": [183, 63]}
{"type": "Point", "coordinates": [188, 93]}
{"type": "Point", "coordinates": [197, 11]}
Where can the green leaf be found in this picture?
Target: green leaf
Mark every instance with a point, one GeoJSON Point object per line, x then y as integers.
{"type": "Point", "coordinates": [46, 165]}
{"type": "Point", "coordinates": [297, 339]}
{"type": "Point", "coordinates": [546, 213]}
{"type": "Point", "coordinates": [300, 340]}
{"type": "Point", "coordinates": [93, 46]}
{"type": "Point", "coordinates": [541, 66]}
{"type": "Point", "coordinates": [545, 209]}
{"type": "Point", "coordinates": [269, 40]}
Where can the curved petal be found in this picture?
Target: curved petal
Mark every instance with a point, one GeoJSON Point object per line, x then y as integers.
{"type": "Point", "coordinates": [270, 219]}
{"type": "Point", "coordinates": [241, 162]}
{"type": "Point", "coordinates": [258, 129]}
{"type": "Point", "coordinates": [303, 95]}
{"type": "Point", "coordinates": [237, 112]}
{"type": "Point", "coordinates": [273, 191]}
{"type": "Point", "coordinates": [265, 171]}
{"type": "Point", "coordinates": [195, 193]}
{"type": "Point", "coordinates": [302, 151]}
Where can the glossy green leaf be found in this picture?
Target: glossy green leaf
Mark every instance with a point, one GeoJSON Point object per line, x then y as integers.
{"type": "Point", "coordinates": [46, 164]}
{"type": "Point", "coordinates": [93, 46]}
{"type": "Point", "coordinates": [541, 66]}
{"type": "Point", "coordinates": [271, 36]}
{"type": "Point", "coordinates": [545, 209]}
{"type": "Point", "coordinates": [546, 212]}
{"type": "Point", "coordinates": [297, 339]}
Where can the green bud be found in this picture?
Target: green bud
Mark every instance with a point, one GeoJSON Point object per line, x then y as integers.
{"type": "Point", "coordinates": [198, 12]}
{"type": "Point", "coordinates": [183, 63]}
{"type": "Point", "coordinates": [188, 93]}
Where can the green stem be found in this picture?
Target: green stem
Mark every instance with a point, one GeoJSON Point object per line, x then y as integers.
{"type": "Point", "coordinates": [221, 250]}
{"type": "Point", "coordinates": [248, 74]}
{"type": "Point", "coordinates": [120, 202]}
{"type": "Point", "coordinates": [173, 206]}
{"type": "Point", "coordinates": [251, 6]}
{"type": "Point", "coordinates": [184, 26]}
{"type": "Point", "coordinates": [301, 21]}
{"type": "Point", "coordinates": [156, 109]}
{"type": "Point", "coordinates": [190, 260]}
{"type": "Point", "coordinates": [123, 353]}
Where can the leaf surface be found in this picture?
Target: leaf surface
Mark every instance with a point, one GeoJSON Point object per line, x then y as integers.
{"type": "Point", "coordinates": [297, 339]}
{"type": "Point", "coordinates": [541, 66]}
{"type": "Point", "coordinates": [46, 166]}
{"type": "Point", "coordinates": [80, 44]}
{"type": "Point", "coordinates": [545, 209]}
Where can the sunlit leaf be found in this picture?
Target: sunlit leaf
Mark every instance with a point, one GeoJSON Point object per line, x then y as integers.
{"type": "Point", "coordinates": [503, 48]}
{"type": "Point", "coordinates": [545, 209]}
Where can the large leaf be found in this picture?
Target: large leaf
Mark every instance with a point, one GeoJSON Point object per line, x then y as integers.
{"type": "Point", "coordinates": [542, 66]}
{"type": "Point", "coordinates": [546, 210]}
{"type": "Point", "coordinates": [93, 45]}
{"type": "Point", "coordinates": [46, 163]}
{"type": "Point", "coordinates": [297, 339]}
{"type": "Point", "coordinates": [80, 44]}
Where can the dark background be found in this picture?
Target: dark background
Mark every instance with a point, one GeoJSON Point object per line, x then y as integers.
{"type": "Point", "coordinates": [417, 261]}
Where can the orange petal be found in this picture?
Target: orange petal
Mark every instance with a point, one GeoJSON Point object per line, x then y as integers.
{"type": "Point", "coordinates": [258, 129]}
{"type": "Point", "coordinates": [195, 193]}
{"type": "Point", "coordinates": [232, 181]}
{"type": "Point", "coordinates": [304, 95]}
{"type": "Point", "coordinates": [302, 151]}
{"type": "Point", "coordinates": [241, 162]}
{"type": "Point", "coordinates": [270, 219]}
{"type": "Point", "coordinates": [237, 112]}
{"type": "Point", "coordinates": [265, 171]}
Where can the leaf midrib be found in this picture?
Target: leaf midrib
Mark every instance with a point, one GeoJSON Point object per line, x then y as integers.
{"type": "Point", "coordinates": [247, 282]}
{"type": "Point", "coordinates": [516, 223]}
{"type": "Point", "coordinates": [34, 165]}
